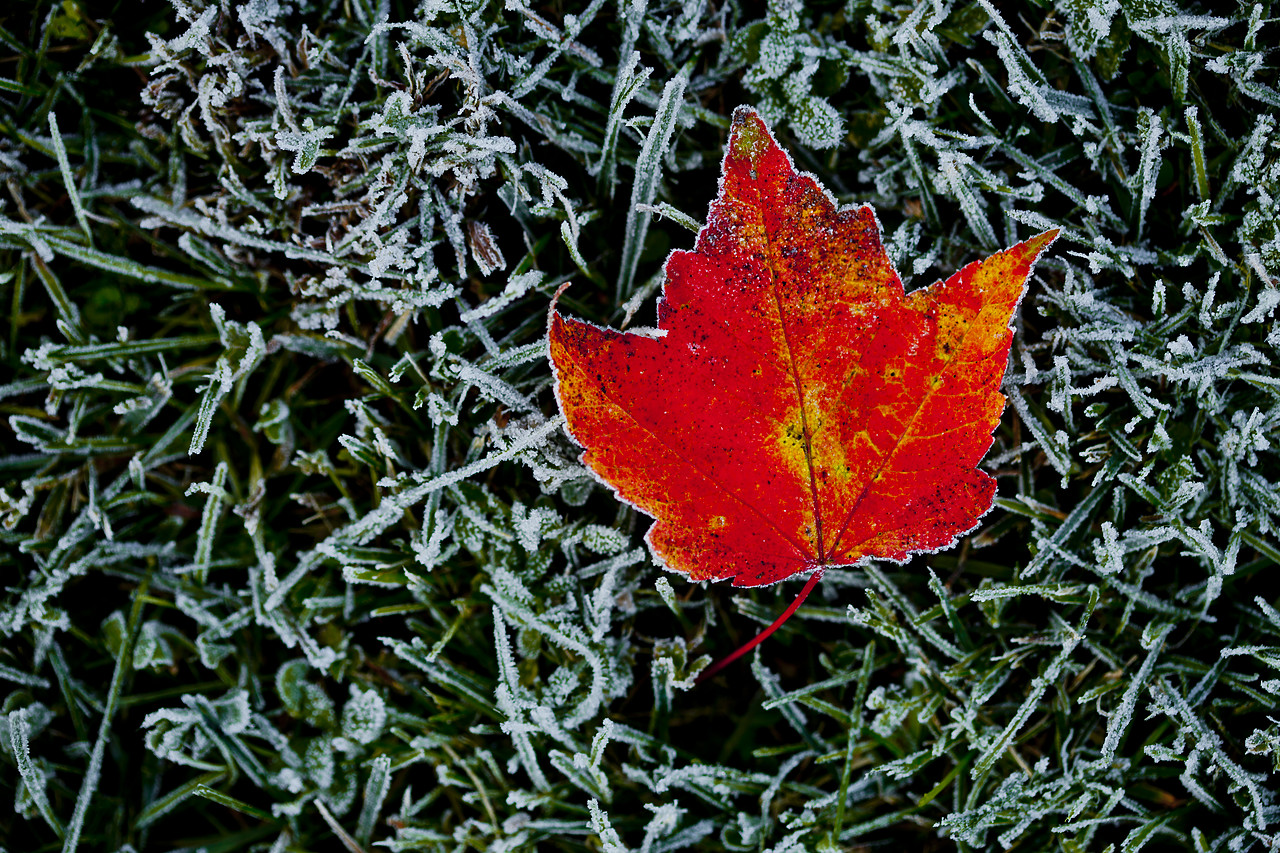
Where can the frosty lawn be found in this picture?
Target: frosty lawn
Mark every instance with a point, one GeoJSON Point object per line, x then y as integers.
{"type": "Point", "coordinates": [298, 557]}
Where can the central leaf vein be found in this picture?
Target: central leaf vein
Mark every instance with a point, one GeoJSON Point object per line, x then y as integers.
{"type": "Point", "coordinates": [795, 375]}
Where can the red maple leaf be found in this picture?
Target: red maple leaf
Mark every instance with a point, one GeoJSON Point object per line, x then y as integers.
{"type": "Point", "coordinates": [796, 409]}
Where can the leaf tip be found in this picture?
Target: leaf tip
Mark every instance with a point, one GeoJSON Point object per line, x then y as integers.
{"type": "Point", "coordinates": [555, 323]}
{"type": "Point", "coordinates": [749, 136]}
{"type": "Point", "coordinates": [551, 310]}
{"type": "Point", "coordinates": [1040, 242]}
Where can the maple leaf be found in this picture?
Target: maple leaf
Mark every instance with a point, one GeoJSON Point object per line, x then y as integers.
{"type": "Point", "coordinates": [796, 409]}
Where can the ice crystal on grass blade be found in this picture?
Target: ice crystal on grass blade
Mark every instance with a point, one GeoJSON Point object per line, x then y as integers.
{"type": "Point", "coordinates": [791, 71]}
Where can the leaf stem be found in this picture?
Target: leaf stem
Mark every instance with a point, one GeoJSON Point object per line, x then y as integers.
{"type": "Point", "coordinates": [763, 635]}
